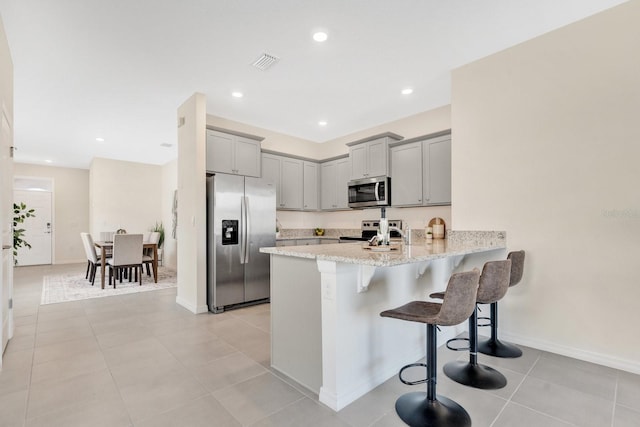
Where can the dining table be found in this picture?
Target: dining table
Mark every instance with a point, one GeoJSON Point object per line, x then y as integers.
{"type": "Point", "coordinates": [104, 246]}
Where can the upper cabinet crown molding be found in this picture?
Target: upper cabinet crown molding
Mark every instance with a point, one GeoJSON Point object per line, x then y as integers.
{"type": "Point", "coordinates": [389, 135]}
{"type": "Point", "coordinates": [420, 138]}
{"type": "Point", "coordinates": [236, 133]}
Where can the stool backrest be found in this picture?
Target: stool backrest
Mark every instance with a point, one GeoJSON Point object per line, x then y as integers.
{"type": "Point", "coordinates": [517, 267]}
{"type": "Point", "coordinates": [494, 281]}
{"type": "Point", "coordinates": [459, 298]}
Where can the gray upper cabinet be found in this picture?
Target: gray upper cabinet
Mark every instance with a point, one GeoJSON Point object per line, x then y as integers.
{"type": "Point", "coordinates": [369, 156]}
{"type": "Point", "coordinates": [334, 176]}
{"type": "Point", "coordinates": [343, 177]}
{"type": "Point", "coordinates": [311, 182]}
{"type": "Point", "coordinates": [421, 171]}
{"type": "Point", "coordinates": [406, 174]}
{"type": "Point", "coordinates": [233, 154]}
{"type": "Point", "coordinates": [287, 174]}
{"type": "Point", "coordinates": [437, 171]}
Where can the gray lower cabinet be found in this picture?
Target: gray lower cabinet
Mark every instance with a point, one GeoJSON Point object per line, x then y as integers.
{"type": "Point", "coordinates": [232, 154]}
{"type": "Point", "coordinates": [334, 176]}
{"type": "Point", "coordinates": [311, 182]}
{"type": "Point", "coordinates": [287, 175]}
{"type": "Point", "coordinates": [421, 172]}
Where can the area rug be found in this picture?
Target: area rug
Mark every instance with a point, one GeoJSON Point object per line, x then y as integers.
{"type": "Point", "coordinates": [74, 287]}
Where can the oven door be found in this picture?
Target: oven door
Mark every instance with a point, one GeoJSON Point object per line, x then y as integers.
{"type": "Point", "coordinates": [369, 192]}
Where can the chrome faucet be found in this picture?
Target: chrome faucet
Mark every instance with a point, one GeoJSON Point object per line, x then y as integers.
{"type": "Point", "coordinates": [406, 234]}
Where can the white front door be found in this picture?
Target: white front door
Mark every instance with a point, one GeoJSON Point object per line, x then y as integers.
{"type": "Point", "coordinates": [6, 215]}
{"type": "Point", "coordinates": [38, 229]}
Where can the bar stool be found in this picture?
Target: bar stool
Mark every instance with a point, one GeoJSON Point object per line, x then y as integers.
{"type": "Point", "coordinates": [429, 409]}
{"type": "Point", "coordinates": [494, 282]}
{"type": "Point", "coordinates": [493, 346]}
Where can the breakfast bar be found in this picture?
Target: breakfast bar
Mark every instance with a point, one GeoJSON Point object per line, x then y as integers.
{"type": "Point", "coordinates": [326, 332]}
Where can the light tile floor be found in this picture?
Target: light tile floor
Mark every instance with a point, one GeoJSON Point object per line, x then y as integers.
{"type": "Point", "coordinates": [141, 360]}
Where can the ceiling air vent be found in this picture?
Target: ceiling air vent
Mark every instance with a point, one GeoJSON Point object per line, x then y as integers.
{"type": "Point", "coordinates": [265, 61]}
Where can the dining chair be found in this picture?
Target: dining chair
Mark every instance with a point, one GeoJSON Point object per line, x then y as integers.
{"type": "Point", "coordinates": [93, 259]}
{"type": "Point", "coordinates": [127, 252]}
{"type": "Point", "coordinates": [147, 258]}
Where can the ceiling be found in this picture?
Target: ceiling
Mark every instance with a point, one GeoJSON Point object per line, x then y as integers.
{"type": "Point", "coordinates": [118, 69]}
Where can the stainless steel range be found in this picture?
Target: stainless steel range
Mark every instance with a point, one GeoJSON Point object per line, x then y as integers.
{"type": "Point", "coordinates": [369, 228]}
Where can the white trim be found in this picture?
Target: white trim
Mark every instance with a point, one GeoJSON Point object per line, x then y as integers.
{"type": "Point", "coordinates": [588, 356]}
{"type": "Point", "coordinates": [192, 308]}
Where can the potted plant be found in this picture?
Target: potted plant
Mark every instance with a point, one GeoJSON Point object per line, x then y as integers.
{"type": "Point", "coordinates": [20, 213]}
{"type": "Point", "coordinates": [159, 228]}
{"type": "Point", "coordinates": [319, 231]}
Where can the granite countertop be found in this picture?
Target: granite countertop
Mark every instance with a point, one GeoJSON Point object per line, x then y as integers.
{"type": "Point", "coordinates": [457, 243]}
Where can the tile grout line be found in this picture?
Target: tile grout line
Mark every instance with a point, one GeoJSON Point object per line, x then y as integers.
{"type": "Point", "coordinates": [615, 399]}
{"type": "Point", "coordinates": [509, 399]}
{"type": "Point", "coordinates": [274, 412]}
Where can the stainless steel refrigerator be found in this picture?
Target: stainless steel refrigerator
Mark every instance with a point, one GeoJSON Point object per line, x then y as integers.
{"type": "Point", "coordinates": [241, 218]}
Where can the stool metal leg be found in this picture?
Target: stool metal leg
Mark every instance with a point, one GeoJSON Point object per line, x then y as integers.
{"type": "Point", "coordinates": [428, 409]}
{"type": "Point", "coordinates": [493, 346]}
{"type": "Point", "coordinates": [472, 373]}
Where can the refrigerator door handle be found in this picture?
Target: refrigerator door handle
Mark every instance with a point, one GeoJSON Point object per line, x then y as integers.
{"type": "Point", "coordinates": [243, 229]}
{"type": "Point", "coordinates": [247, 229]}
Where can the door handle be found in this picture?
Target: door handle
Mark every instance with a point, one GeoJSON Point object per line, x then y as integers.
{"type": "Point", "coordinates": [247, 223]}
{"type": "Point", "coordinates": [243, 229]}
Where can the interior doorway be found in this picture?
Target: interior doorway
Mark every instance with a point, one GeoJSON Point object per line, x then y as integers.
{"type": "Point", "coordinates": [36, 194]}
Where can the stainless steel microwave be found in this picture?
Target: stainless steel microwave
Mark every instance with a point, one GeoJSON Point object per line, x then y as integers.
{"type": "Point", "coordinates": [370, 192]}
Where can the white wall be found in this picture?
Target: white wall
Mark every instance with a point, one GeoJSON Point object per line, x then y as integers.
{"type": "Point", "coordinates": [6, 189]}
{"type": "Point", "coordinates": [546, 144]}
{"type": "Point", "coordinates": [124, 195]}
{"type": "Point", "coordinates": [71, 208]}
{"type": "Point", "coordinates": [272, 140]}
{"type": "Point", "coordinates": [423, 123]}
{"type": "Point", "coordinates": [192, 226]}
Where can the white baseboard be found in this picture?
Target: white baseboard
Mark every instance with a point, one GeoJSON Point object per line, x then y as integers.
{"type": "Point", "coordinates": [632, 366]}
{"type": "Point", "coordinates": [191, 307]}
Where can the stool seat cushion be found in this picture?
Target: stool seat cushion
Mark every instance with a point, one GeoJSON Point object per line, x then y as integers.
{"type": "Point", "coordinates": [457, 305]}
{"type": "Point", "coordinates": [415, 311]}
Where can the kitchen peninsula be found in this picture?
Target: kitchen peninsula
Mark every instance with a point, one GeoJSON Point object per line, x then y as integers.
{"type": "Point", "coordinates": [326, 332]}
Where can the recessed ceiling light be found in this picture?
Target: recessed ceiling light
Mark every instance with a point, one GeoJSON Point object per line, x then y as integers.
{"type": "Point", "coordinates": [320, 36]}
{"type": "Point", "coordinates": [100, 139]}
{"type": "Point", "coordinates": [322, 123]}
{"type": "Point", "coordinates": [48, 161]}
{"type": "Point", "coordinates": [237, 94]}
{"type": "Point", "coordinates": [407, 91]}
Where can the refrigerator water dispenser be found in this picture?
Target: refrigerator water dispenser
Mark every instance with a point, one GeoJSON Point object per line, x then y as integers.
{"type": "Point", "coordinates": [229, 232]}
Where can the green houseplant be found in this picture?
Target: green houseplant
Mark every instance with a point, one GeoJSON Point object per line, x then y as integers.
{"type": "Point", "coordinates": [20, 213]}
{"type": "Point", "coordinates": [158, 227]}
